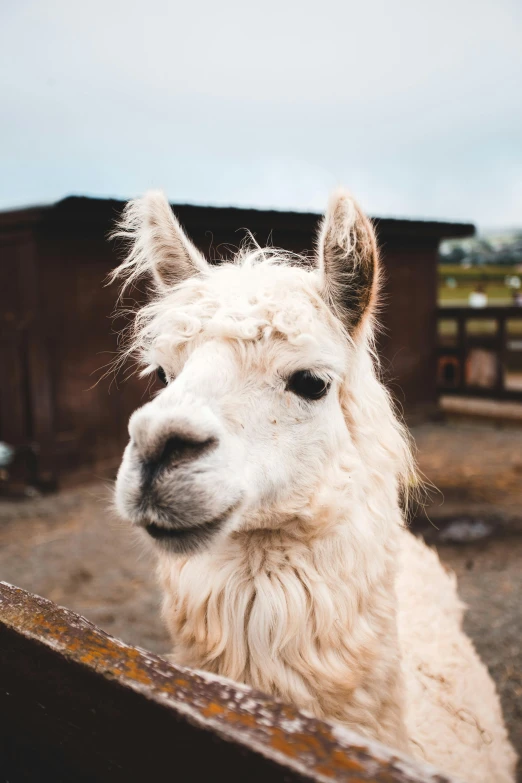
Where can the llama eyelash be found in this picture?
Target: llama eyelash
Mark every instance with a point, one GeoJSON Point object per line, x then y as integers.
{"type": "Point", "coordinates": [148, 370]}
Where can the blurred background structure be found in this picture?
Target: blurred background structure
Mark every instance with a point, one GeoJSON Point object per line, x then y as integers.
{"type": "Point", "coordinates": [64, 418]}
{"type": "Point", "coordinates": [248, 116]}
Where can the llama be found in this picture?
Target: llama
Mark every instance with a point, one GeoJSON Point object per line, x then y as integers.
{"type": "Point", "coordinates": [270, 473]}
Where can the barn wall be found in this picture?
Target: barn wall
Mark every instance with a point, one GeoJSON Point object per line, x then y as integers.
{"type": "Point", "coordinates": [53, 396]}
{"type": "Point", "coordinates": [408, 339]}
{"type": "Point", "coordinates": [25, 403]}
{"type": "Point", "coordinates": [14, 424]}
{"type": "Point", "coordinates": [90, 410]}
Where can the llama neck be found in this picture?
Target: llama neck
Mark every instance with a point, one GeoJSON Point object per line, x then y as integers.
{"type": "Point", "coordinates": [306, 615]}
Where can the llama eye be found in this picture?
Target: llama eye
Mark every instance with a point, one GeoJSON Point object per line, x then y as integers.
{"type": "Point", "coordinates": [307, 385]}
{"type": "Point", "coordinates": [160, 372]}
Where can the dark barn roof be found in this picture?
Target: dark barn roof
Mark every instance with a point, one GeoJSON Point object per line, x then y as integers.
{"type": "Point", "coordinates": [78, 211]}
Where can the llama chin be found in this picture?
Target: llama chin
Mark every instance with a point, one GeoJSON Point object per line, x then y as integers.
{"type": "Point", "coordinates": [271, 473]}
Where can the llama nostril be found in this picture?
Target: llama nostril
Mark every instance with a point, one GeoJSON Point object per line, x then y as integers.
{"type": "Point", "coordinates": [177, 450]}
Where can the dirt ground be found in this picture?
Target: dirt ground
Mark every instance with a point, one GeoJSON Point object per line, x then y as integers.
{"type": "Point", "coordinates": [71, 548]}
{"type": "Point", "coordinates": [477, 470]}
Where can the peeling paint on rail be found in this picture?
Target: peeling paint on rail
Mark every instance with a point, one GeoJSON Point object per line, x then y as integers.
{"type": "Point", "coordinates": [308, 749]}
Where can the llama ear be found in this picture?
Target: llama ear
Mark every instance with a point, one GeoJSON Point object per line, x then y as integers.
{"type": "Point", "coordinates": [348, 260]}
{"type": "Point", "coordinates": [158, 243]}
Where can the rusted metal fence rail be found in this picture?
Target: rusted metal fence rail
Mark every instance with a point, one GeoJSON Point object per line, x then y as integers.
{"type": "Point", "coordinates": [480, 352]}
{"type": "Point", "coordinates": [80, 706]}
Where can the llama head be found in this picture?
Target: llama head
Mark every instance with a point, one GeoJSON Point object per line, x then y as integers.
{"type": "Point", "coordinates": [262, 360]}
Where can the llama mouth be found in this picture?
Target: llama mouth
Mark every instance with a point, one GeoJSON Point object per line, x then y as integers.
{"type": "Point", "coordinates": [185, 540]}
{"type": "Point", "coordinates": [180, 537]}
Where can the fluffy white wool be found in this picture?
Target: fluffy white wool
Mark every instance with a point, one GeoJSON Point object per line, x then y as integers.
{"type": "Point", "coordinates": [313, 591]}
{"type": "Point", "coordinates": [453, 713]}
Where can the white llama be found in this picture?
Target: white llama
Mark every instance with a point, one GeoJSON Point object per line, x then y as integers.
{"type": "Point", "coordinates": [269, 473]}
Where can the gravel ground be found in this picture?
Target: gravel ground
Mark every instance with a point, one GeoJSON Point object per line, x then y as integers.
{"type": "Point", "coordinates": [70, 548]}
{"type": "Point", "coordinates": [477, 472]}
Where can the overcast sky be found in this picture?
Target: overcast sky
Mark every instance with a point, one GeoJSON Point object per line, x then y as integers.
{"type": "Point", "coordinates": [416, 106]}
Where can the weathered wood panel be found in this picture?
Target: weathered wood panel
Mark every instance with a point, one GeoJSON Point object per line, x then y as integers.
{"type": "Point", "coordinates": [20, 419]}
{"type": "Point", "coordinates": [80, 706]}
{"type": "Point", "coordinates": [408, 342]}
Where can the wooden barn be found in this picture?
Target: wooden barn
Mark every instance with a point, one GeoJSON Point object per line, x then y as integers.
{"type": "Point", "coordinates": [56, 332]}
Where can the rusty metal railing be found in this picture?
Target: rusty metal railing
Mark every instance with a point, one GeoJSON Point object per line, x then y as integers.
{"type": "Point", "coordinates": [82, 706]}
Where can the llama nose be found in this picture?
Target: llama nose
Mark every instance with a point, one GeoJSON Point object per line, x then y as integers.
{"type": "Point", "coordinates": [176, 450]}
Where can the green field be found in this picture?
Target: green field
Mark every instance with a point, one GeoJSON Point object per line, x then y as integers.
{"type": "Point", "coordinates": [491, 278]}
